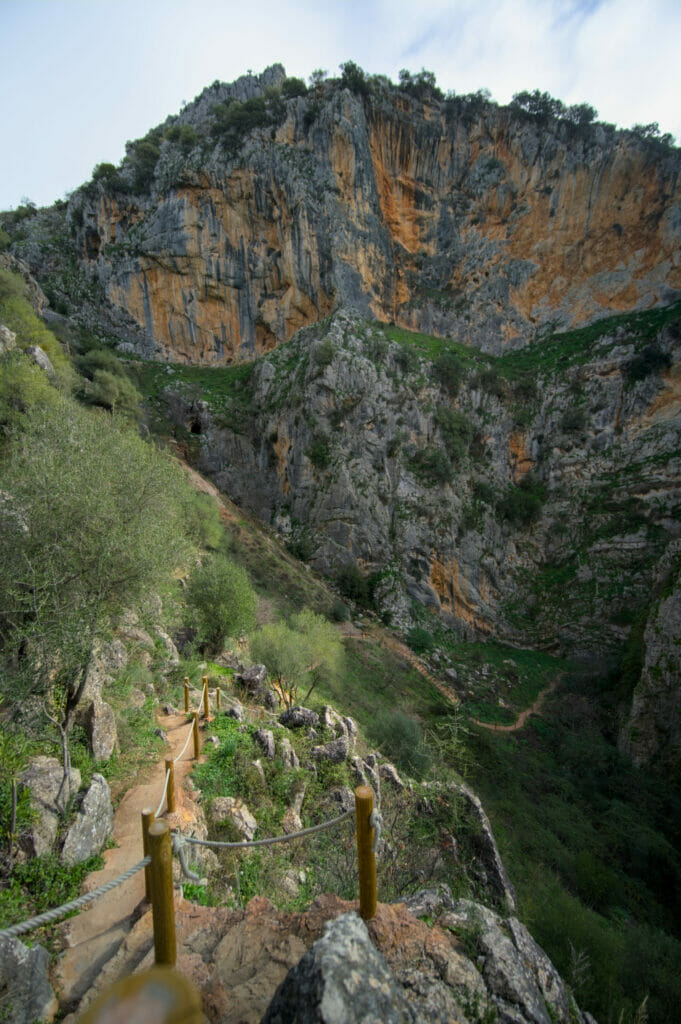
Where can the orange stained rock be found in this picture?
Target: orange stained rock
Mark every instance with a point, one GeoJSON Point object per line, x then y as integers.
{"type": "Point", "coordinates": [519, 457]}
{"type": "Point", "coordinates": [454, 592]}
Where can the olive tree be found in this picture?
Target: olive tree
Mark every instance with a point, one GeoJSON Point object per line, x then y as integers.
{"type": "Point", "coordinates": [221, 601]}
{"type": "Point", "coordinates": [299, 654]}
{"type": "Point", "coordinates": [91, 521]}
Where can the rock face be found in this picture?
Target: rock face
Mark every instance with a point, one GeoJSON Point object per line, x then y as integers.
{"type": "Point", "coordinates": [342, 979]}
{"type": "Point", "coordinates": [470, 221]}
{"type": "Point", "coordinates": [44, 777]}
{"type": "Point", "coordinates": [652, 734]}
{"type": "Point", "coordinates": [93, 825]}
{"type": "Point", "coordinates": [380, 464]}
{"type": "Point", "coordinates": [26, 995]}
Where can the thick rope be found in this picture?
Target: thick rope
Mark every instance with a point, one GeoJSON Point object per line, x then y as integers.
{"type": "Point", "coordinates": [269, 842]}
{"type": "Point", "coordinates": [376, 822]}
{"type": "Point", "coordinates": [186, 744]}
{"type": "Point", "coordinates": [163, 796]}
{"type": "Point", "coordinates": [180, 848]}
{"type": "Point", "coordinates": [53, 915]}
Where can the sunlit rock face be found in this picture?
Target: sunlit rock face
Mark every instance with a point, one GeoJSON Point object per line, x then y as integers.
{"type": "Point", "coordinates": [478, 226]}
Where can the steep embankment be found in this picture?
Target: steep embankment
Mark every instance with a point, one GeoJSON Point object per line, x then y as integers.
{"type": "Point", "coordinates": [459, 218]}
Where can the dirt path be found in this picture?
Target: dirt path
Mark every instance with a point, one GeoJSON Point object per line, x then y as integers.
{"type": "Point", "coordinates": [93, 936]}
{"type": "Point", "coordinates": [524, 715]}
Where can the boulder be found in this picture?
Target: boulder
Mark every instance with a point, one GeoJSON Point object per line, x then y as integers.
{"type": "Point", "coordinates": [172, 655]}
{"type": "Point", "coordinates": [235, 710]}
{"type": "Point", "coordinates": [341, 979]}
{"type": "Point", "coordinates": [41, 359]}
{"type": "Point", "coordinates": [93, 825]}
{"type": "Point", "coordinates": [265, 739]}
{"type": "Point", "coordinates": [26, 995]}
{"type": "Point", "coordinates": [287, 753]}
{"type": "Point", "coordinates": [44, 777]}
{"type": "Point", "coordinates": [299, 717]}
{"type": "Point", "coordinates": [335, 751]}
{"type": "Point", "coordinates": [229, 808]}
{"type": "Point", "coordinates": [389, 772]}
{"type": "Point", "coordinates": [8, 339]}
{"type": "Point", "coordinates": [253, 680]}
{"type": "Point", "coordinates": [99, 723]}
{"type": "Point", "coordinates": [106, 661]}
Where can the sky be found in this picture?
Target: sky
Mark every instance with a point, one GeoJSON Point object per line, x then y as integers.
{"type": "Point", "coordinates": [80, 77]}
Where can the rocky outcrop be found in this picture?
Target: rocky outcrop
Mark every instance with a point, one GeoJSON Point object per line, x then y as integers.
{"type": "Point", "coordinates": [388, 469]}
{"type": "Point", "coordinates": [341, 978]}
{"type": "Point", "coordinates": [49, 796]}
{"type": "Point", "coordinates": [475, 224]}
{"type": "Point", "coordinates": [652, 734]}
{"type": "Point", "coordinates": [93, 824]}
{"type": "Point", "coordinates": [325, 965]}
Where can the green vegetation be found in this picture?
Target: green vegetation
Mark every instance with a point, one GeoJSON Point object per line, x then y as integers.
{"type": "Point", "coordinates": [40, 884]}
{"type": "Point", "coordinates": [401, 738]}
{"type": "Point", "coordinates": [591, 845]}
{"type": "Point", "coordinates": [299, 655]}
{"type": "Point", "coordinates": [430, 465]}
{"type": "Point", "coordinates": [221, 601]}
{"type": "Point", "coordinates": [456, 430]}
{"type": "Point", "coordinates": [521, 506]}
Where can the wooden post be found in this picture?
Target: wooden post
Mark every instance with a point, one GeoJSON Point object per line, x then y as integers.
{"type": "Point", "coordinates": [217, 697]}
{"type": "Point", "coordinates": [206, 699]}
{"type": "Point", "coordinates": [163, 909]}
{"type": "Point", "coordinates": [147, 819]}
{"type": "Point", "coordinates": [186, 695]}
{"type": "Point", "coordinates": [195, 730]}
{"type": "Point", "coordinates": [366, 859]}
{"type": "Point", "coordinates": [170, 795]}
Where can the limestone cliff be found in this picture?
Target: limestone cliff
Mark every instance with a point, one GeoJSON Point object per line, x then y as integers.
{"type": "Point", "coordinates": [533, 503]}
{"type": "Point", "coordinates": [460, 219]}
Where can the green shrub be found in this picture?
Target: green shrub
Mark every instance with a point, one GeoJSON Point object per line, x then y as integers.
{"type": "Point", "coordinates": [652, 359]}
{"type": "Point", "coordinates": [4, 240]}
{"type": "Point", "coordinates": [292, 87]}
{"type": "Point", "coordinates": [522, 505]}
{"type": "Point", "coordinates": [448, 370]}
{"type": "Point", "coordinates": [430, 465]}
{"type": "Point", "coordinates": [420, 640]}
{"type": "Point", "coordinates": [340, 611]}
{"type": "Point", "coordinates": [354, 79]}
{"type": "Point", "coordinates": [401, 738]}
{"type": "Point", "coordinates": [407, 359]}
{"type": "Point", "coordinates": [456, 430]}
{"type": "Point", "coordinates": [221, 601]}
{"type": "Point", "coordinates": [323, 354]}
{"type": "Point", "coordinates": [319, 452]}
{"type": "Point", "coordinates": [353, 584]}
{"type": "Point", "coordinates": [573, 420]}
{"type": "Point", "coordinates": [204, 524]}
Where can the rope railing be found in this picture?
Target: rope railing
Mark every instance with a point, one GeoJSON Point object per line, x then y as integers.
{"type": "Point", "coordinates": [286, 838]}
{"type": "Point", "coordinates": [158, 863]}
{"type": "Point", "coordinates": [56, 913]}
{"type": "Point", "coordinates": [158, 810]}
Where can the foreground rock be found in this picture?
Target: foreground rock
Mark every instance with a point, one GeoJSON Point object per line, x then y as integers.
{"type": "Point", "coordinates": [44, 777]}
{"type": "Point", "coordinates": [342, 979]}
{"type": "Point", "coordinates": [26, 995]}
{"type": "Point", "coordinates": [472, 966]}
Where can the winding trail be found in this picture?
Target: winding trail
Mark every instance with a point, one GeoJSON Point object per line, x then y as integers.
{"type": "Point", "coordinates": [524, 715]}
{"type": "Point", "coordinates": [95, 934]}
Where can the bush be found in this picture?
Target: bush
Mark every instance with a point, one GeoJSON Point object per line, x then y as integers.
{"type": "Point", "coordinates": [319, 452]}
{"type": "Point", "coordinates": [420, 640]}
{"type": "Point", "coordinates": [354, 79]}
{"type": "Point", "coordinates": [4, 240]}
{"type": "Point", "coordinates": [456, 431]}
{"type": "Point", "coordinates": [652, 359]}
{"type": "Point", "coordinates": [353, 584]}
{"type": "Point", "coordinates": [400, 737]}
{"type": "Point", "coordinates": [292, 87]}
{"type": "Point", "coordinates": [221, 601]}
{"type": "Point", "coordinates": [431, 466]}
{"type": "Point", "coordinates": [407, 359]}
{"type": "Point", "coordinates": [299, 655]}
{"type": "Point", "coordinates": [522, 505]}
{"type": "Point", "coordinates": [204, 524]}
{"type": "Point", "coordinates": [448, 370]}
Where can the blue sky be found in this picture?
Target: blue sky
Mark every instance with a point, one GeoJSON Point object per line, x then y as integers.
{"type": "Point", "coordinates": [79, 77]}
